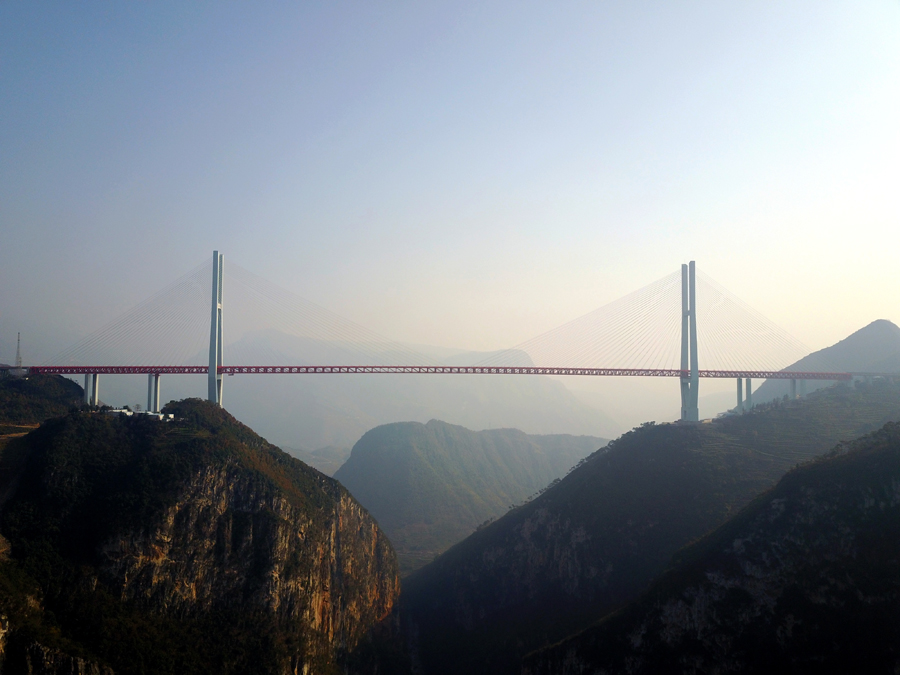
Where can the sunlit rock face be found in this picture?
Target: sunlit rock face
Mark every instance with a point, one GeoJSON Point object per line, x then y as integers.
{"type": "Point", "coordinates": [234, 542]}
{"type": "Point", "coordinates": [157, 541]}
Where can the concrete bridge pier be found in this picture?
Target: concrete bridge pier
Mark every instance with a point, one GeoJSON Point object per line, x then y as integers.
{"type": "Point", "coordinates": [740, 394]}
{"type": "Point", "coordinates": [802, 388]}
{"type": "Point", "coordinates": [87, 389]}
{"type": "Point", "coordinates": [95, 389]}
{"type": "Point", "coordinates": [153, 392]}
{"type": "Point", "coordinates": [793, 389]}
{"type": "Point", "coordinates": [749, 395]}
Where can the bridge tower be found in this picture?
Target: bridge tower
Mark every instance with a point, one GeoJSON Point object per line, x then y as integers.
{"type": "Point", "coordinates": [689, 383]}
{"type": "Point", "coordinates": [215, 331]}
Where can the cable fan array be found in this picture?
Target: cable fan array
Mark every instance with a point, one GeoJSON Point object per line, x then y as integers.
{"type": "Point", "coordinates": [731, 335]}
{"type": "Point", "coordinates": [273, 326]}
{"type": "Point", "coordinates": [266, 325]}
{"type": "Point", "coordinates": [263, 324]}
{"type": "Point", "coordinates": [642, 330]}
{"type": "Point", "coordinates": [169, 328]}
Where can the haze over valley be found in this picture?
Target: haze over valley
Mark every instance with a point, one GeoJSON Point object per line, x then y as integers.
{"type": "Point", "coordinates": [455, 337]}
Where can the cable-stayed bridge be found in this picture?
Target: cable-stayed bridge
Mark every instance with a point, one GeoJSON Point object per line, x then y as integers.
{"type": "Point", "coordinates": [665, 329]}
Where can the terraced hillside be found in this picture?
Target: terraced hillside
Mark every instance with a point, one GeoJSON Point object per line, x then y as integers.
{"type": "Point", "coordinates": [597, 539]}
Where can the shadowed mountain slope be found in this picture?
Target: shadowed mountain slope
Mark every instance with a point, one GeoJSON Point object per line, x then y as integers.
{"type": "Point", "coordinates": [186, 547]}
{"type": "Point", "coordinates": [805, 580]}
{"type": "Point", "coordinates": [430, 485]}
{"type": "Point", "coordinates": [597, 539]}
{"type": "Point", "coordinates": [872, 349]}
{"type": "Point", "coordinates": [33, 399]}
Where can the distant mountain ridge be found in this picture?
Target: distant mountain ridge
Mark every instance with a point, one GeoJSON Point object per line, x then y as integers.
{"type": "Point", "coordinates": [430, 485]}
{"type": "Point", "coordinates": [874, 348]}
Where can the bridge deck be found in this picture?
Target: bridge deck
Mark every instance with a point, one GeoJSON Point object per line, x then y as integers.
{"type": "Point", "coordinates": [435, 370]}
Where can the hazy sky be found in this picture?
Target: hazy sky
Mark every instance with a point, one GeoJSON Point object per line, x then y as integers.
{"type": "Point", "coordinates": [458, 174]}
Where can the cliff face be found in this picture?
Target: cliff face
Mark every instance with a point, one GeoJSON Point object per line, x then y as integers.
{"type": "Point", "coordinates": [36, 659]}
{"type": "Point", "coordinates": [232, 542]}
{"type": "Point", "coordinates": [194, 546]}
{"type": "Point", "coordinates": [806, 579]}
{"type": "Point", "coordinates": [597, 539]}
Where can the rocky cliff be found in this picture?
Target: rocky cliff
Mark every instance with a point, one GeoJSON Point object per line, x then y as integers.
{"type": "Point", "coordinates": [194, 546]}
{"type": "Point", "coordinates": [805, 580]}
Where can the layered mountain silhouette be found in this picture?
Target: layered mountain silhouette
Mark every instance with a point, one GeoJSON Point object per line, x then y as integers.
{"type": "Point", "coordinates": [595, 540]}
{"type": "Point", "coordinates": [430, 485]}
{"type": "Point", "coordinates": [804, 580]}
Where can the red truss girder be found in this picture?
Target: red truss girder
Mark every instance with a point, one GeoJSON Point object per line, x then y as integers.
{"type": "Point", "coordinates": [120, 370]}
{"type": "Point", "coordinates": [435, 370]}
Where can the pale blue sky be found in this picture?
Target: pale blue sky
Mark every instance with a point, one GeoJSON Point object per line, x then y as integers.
{"type": "Point", "coordinates": [460, 174]}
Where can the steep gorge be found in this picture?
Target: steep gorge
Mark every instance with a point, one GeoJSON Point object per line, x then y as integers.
{"type": "Point", "coordinates": [598, 538]}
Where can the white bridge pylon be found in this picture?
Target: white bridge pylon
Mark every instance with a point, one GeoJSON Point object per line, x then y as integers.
{"type": "Point", "coordinates": [215, 331]}
{"type": "Point", "coordinates": [690, 383]}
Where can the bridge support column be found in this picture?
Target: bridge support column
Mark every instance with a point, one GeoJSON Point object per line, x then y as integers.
{"type": "Point", "coordinates": [802, 388]}
{"type": "Point", "coordinates": [749, 395]}
{"type": "Point", "coordinates": [793, 389]}
{"type": "Point", "coordinates": [87, 389]}
{"type": "Point", "coordinates": [740, 395]}
{"type": "Point", "coordinates": [215, 332]}
{"type": "Point", "coordinates": [153, 392]}
{"type": "Point", "coordinates": [690, 395]}
{"type": "Point", "coordinates": [95, 389]}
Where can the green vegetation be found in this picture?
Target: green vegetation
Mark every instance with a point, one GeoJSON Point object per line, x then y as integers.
{"type": "Point", "coordinates": [91, 479]}
{"type": "Point", "coordinates": [805, 580]}
{"type": "Point", "coordinates": [431, 485]}
{"type": "Point", "coordinates": [33, 399]}
{"type": "Point", "coordinates": [595, 540]}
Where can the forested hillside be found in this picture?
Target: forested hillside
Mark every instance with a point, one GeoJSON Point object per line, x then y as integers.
{"type": "Point", "coordinates": [804, 580]}
{"type": "Point", "coordinates": [32, 399]}
{"type": "Point", "coordinates": [597, 539]}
